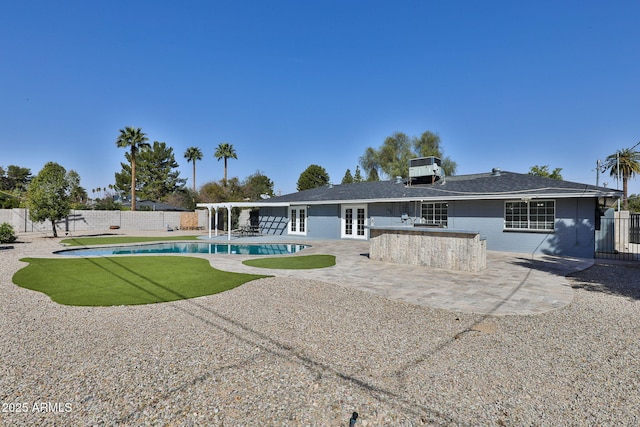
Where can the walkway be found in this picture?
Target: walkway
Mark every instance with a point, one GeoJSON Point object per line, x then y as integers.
{"type": "Point", "coordinates": [512, 284]}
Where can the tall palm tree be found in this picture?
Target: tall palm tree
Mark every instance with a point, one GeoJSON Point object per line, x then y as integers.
{"type": "Point", "coordinates": [225, 151]}
{"type": "Point", "coordinates": [628, 163]}
{"type": "Point", "coordinates": [192, 154]}
{"type": "Point", "coordinates": [134, 139]}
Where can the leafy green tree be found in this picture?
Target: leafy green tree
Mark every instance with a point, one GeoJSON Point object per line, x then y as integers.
{"type": "Point", "coordinates": [160, 173]}
{"type": "Point", "coordinates": [14, 182]}
{"type": "Point", "coordinates": [392, 157]}
{"type": "Point", "coordinates": [135, 140]}
{"type": "Point", "coordinates": [213, 192]}
{"type": "Point", "coordinates": [14, 178]}
{"type": "Point", "coordinates": [157, 175]}
{"type": "Point", "coordinates": [347, 178]}
{"type": "Point", "coordinates": [252, 188]}
{"type": "Point", "coordinates": [9, 200]}
{"type": "Point", "coordinates": [77, 194]}
{"type": "Point", "coordinates": [225, 151]}
{"type": "Point", "coordinates": [123, 180]}
{"type": "Point", "coordinates": [107, 204]}
{"type": "Point", "coordinates": [627, 163]}
{"type": "Point", "coordinates": [312, 177]}
{"type": "Point", "coordinates": [184, 198]}
{"type": "Point", "coordinates": [544, 172]}
{"type": "Point", "coordinates": [235, 190]}
{"type": "Point", "coordinates": [427, 145]}
{"type": "Point", "coordinates": [49, 195]}
{"type": "Point", "coordinates": [217, 192]}
{"type": "Point", "coordinates": [4, 182]}
{"type": "Point", "coordinates": [371, 164]}
{"type": "Point", "coordinates": [634, 203]}
{"type": "Point", "coordinates": [257, 185]}
{"type": "Point", "coordinates": [192, 154]}
{"type": "Point", "coordinates": [357, 177]}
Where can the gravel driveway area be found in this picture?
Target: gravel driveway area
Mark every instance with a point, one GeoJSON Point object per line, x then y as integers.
{"type": "Point", "coordinates": [286, 352]}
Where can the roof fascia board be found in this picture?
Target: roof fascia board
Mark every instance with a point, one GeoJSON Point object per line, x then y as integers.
{"type": "Point", "coordinates": [241, 204]}
{"type": "Point", "coordinates": [509, 196]}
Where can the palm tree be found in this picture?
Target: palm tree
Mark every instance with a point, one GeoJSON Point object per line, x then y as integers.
{"type": "Point", "coordinates": [192, 154]}
{"type": "Point", "coordinates": [136, 140]}
{"type": "Point", "coordinates": [627, 163]}
{"type": "Point", "coordinates": [225, 151]}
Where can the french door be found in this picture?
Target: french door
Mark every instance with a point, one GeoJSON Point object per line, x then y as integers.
{"type": "Point", "coordinates": [353, 222]}
{"type": "Point", "coordinates": [298, 220]}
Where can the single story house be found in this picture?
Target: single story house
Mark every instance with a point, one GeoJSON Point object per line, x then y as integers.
{"type": "Point", "coordinates": [514, 212]}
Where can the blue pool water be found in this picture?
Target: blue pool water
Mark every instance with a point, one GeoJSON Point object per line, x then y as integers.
{"type": "Point", "coordinates": [188, 248]}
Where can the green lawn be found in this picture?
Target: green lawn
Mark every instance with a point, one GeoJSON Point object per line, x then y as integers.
{"type": "Point", "coordinates": [86, 241]}
{"type": "Point", "coordinates": [125, 280]}
{"type": "Point", "coordinates": [293, 262]}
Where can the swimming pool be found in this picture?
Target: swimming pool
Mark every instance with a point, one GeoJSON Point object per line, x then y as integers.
{"type": "Point", "coordinates": [188, 248]}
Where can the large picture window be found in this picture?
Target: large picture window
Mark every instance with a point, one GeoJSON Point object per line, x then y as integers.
{"type": "Point", "coordinates": [530, 215]}
{"type": "Point", "coordinates": [435, 213]}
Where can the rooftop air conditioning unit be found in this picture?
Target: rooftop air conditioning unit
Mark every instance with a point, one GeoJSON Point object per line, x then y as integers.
{"type": "Point", "coordinates": [425, 169]}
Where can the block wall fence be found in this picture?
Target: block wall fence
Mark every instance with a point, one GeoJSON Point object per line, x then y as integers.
{"type": "Point", "coordinates": [90, 220]}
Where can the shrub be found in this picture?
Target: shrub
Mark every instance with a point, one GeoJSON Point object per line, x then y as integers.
{"type": "Point", "coordinates": [7, 235]}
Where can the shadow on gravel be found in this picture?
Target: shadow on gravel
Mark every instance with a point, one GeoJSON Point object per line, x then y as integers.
{"type": "Point", "coordinates": [613, 279]}
{"type": "Point", "coordinates": [272, 345]}
{"type": "Point", "coordinates": [236, 328]}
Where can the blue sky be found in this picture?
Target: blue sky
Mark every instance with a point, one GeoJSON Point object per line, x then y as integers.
{"type": "Point", "coordinates": [292, 83]}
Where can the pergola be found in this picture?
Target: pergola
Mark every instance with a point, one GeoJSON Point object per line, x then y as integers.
{"type": "Point", "coordinates": [228, 206]}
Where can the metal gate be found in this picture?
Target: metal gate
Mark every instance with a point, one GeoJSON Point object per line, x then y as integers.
{"type": "Point", "coordinates": [618, 237]}
{"type": "Point", "coordinates": [634, 228]}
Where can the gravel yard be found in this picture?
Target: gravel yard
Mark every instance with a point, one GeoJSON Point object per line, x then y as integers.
{"type": "Point", "coordinates": [284, 351]}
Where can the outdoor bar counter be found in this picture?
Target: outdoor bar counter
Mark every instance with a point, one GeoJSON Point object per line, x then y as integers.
{"type": "Point", "coordinates": [433, 247]}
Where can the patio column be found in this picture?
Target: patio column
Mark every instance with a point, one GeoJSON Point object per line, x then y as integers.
{"type": "Point", "coordinates": [209, 209]}
{"type": "Point", "coordinates": [216, 220]}
{"type": "Point", "coordinates": [229, 221]}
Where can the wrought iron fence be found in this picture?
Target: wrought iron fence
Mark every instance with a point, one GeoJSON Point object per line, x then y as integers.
{"type": "Point", "coordinates": [634, 228]}
{"type": "Point", "coordinates": [618, 238]}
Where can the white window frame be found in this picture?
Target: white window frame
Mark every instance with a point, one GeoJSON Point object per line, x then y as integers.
{"type": "Point", "coordinates": [526, 215]}
{"type": "Point", "coordinates": [437, 218]}
{"type": "Point", "coordinates": [297, 220]}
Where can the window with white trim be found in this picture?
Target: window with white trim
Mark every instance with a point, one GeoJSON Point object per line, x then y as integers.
{"type": "Point", "coordinates": [538, 215]}
{"type": "Point", "coordinates": [435, 213]}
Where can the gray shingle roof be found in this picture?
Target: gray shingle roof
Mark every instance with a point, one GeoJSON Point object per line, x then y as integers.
{"type": "Point", "coordinates": [476, 186]}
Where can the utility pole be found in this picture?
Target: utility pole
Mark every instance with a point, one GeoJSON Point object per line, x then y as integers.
{"type": "Point", "coordinates": [600, 168]}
